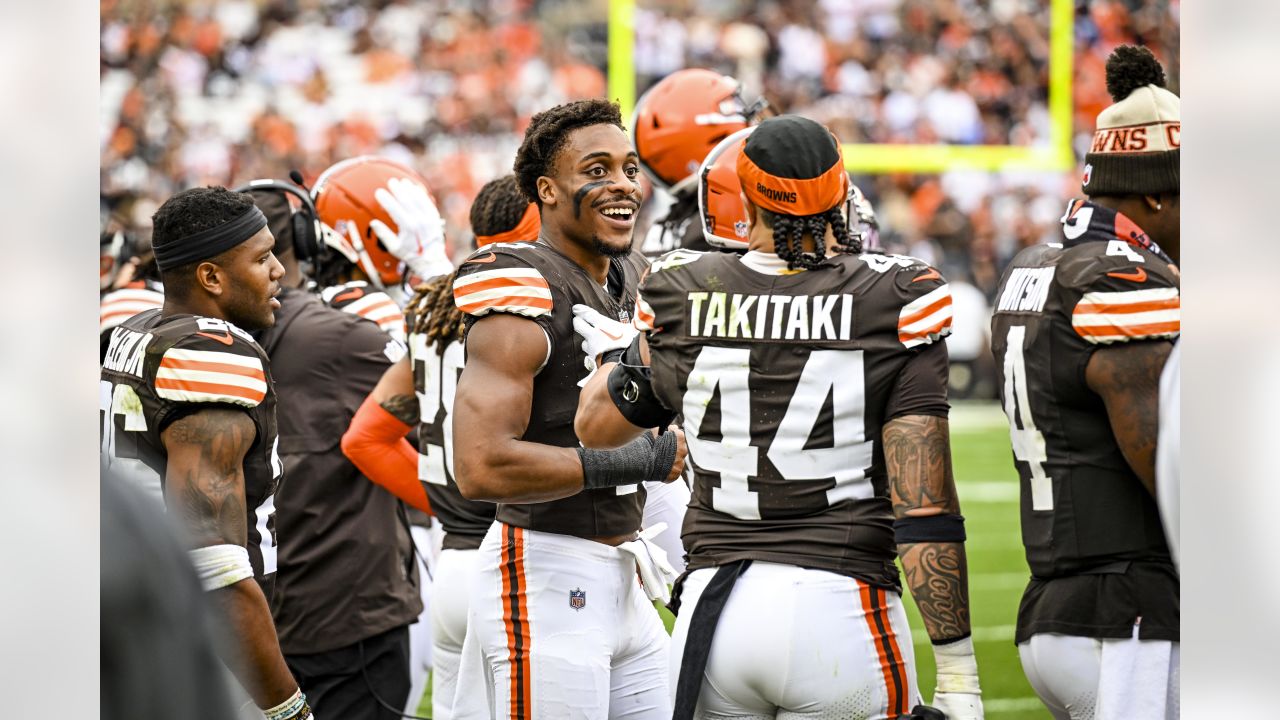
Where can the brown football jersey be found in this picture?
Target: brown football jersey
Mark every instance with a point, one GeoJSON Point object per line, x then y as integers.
{"type": "Point", "coordinates": [536, 281]}
{"type": "Point", "coordinates": [1090, 528]}
{"type": "Point", "coordinates": [158, 369]}
{"type": "Point", "coordinates": [785, 380]}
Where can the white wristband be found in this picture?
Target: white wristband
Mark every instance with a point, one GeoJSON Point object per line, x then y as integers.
{"type": "Point", "coordinates": [289, 708]}
{"type": "Point", "coordinates": [219, 566]}
{"type": "Point", "coordinates": [957, 667]}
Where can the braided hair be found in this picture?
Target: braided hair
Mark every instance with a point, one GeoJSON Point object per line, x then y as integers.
{"type": "Point", "coordinates": [498, 207]}
{"type": "Point", "coordinates": [789, 232]}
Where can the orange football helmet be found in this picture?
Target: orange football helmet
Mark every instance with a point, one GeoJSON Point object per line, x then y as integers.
{"type": "Point", "coordinates": [720, 204]}
{"type": "Point", "coordinates": [681, 118]}
{"type": "Point", "coordinates": [344, 200]}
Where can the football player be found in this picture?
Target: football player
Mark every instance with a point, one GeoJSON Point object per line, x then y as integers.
{"type": "Point", "coordinates": [384, 229]}
{"type": "Point", "coordinates": [134, 288]}
{"type": "Point", "coordinates": [419, 391]}
{"type": "Point", "coordinates": [558, 622]}
{"type": "Point", "coordinates": [187, 399]}
{"type": "Point", "coordinates": [813, 384]}
{"type": "Point", "coordinates": [1080, 334]}
{"type": "Point", "coordinates": [675, 124]}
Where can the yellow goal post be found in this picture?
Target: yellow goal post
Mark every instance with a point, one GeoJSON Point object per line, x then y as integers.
{"type": "Point", "coordinates": [871, 158]}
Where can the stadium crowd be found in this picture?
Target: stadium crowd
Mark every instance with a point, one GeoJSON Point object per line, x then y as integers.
{"type": "Point", "coordinates": [220, 93]}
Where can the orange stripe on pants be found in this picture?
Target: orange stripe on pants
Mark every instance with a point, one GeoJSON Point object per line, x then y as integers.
{"type": "Point", "coordinates": [515, 618]}
{"type": "Point", "coordinates": [892, 664]}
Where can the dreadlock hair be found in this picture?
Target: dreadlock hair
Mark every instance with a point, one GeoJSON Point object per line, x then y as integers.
{"type": "Point", "coordinates": [498, 207]}
{"type": "Point", "coordinates": [789, 232]}
{"type": "Point", "coordinates": [434, 313]}
{"type": "Point", "coordinates": [547, 133]}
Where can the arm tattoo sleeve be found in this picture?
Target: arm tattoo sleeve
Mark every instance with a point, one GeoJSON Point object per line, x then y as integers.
{"type": "Point", "coordinates": [206, 474]}
{"type": "Point", "coordinates": [917, 455]}
{"type": "Point", "coordinates": [938, 576]}
{"type": "Point", "coordinates": [402, 407]}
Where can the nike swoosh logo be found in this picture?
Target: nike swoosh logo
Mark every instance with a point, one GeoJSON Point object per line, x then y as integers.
{"type": "Point", "coordinates": [1138, 275]}
{"type": "Point", "coordinates": [224, 338]}
{"type": "Point", "coordinates": [932, 274]}
{"type": "Point", "coordinates": [610, 335]}
{"type": "Point", "coordinates": [486, 259]}
{"type": "Point", "coordinates": [352, 294]}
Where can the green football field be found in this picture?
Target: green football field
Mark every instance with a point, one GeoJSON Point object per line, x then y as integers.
{"type": "Point", "coordinates": [988, 487]}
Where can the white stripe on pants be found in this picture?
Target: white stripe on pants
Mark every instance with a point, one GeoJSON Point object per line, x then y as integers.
{"type": "Point", "coordinates": [560, 628]}
{"type": "Point", "coordinates": [798, 643]}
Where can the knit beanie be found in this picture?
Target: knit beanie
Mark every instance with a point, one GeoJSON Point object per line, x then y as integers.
{"type": "Point", "coordinates": [1135, 148]}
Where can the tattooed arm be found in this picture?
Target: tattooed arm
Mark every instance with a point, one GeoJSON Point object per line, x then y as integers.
{"type": "Point", "coordinates": [1127, 377]}
{"type": "Point", "coordinates": [375, 442]}
{"type": "Point", "coordinates": [917, 454]}
{"type": "Point", "coordinates": [204, 485]}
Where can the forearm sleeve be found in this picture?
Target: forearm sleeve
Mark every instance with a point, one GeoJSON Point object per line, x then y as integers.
{"type": "Point", "coordinates": [375, 444]}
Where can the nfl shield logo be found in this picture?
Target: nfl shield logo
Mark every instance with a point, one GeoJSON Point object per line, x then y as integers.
{"type": "Point", "coordinates": [577, 599]}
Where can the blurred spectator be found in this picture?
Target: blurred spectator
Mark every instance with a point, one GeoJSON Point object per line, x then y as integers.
{"type": "Point", "coordinates": [223, 91]}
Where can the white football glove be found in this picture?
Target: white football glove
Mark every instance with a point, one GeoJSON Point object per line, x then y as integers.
{"type": "Point", "coordinates": [599, 334]}
{"type": "Point", "coordinates": [420, 241]}
{"type": "Point", "coordinates": [958, 694]}
{"type": "Point", "coordinates": [656, 573]}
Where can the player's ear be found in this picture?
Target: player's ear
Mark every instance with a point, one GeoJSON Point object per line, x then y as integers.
{"type": "Point", "coordinates": [546, 190]}
{"type": "Point", "coordinates": [1153, 203]}
{"type": "Point", "coordinates": [211, 278]}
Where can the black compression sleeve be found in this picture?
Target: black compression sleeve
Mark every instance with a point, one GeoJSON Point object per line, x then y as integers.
{"type": "Point", "coordinates": [631, 390]}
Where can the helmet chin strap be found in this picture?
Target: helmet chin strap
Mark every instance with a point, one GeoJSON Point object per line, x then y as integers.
{"type": "Point", "coordinates": [366, 262]}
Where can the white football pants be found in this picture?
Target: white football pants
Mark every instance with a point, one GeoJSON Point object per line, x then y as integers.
{"type": "Point", "coordinates": [427, 541]}
{"type": "Point", "coordinates": [450, 598]}
{"type": "Point", "coordinates": [795, 643]}
{"type": "Point", "coordinates": [559, 628]}
{"type": "Point", "coordinates": [1080, 678]}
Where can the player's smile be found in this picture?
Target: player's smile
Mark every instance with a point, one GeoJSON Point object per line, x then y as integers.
{"type": "Point", "coordinates": [618, 213]}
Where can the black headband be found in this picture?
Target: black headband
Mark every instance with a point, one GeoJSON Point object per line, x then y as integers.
{"type": "Point", "coordinates": [210, 243]}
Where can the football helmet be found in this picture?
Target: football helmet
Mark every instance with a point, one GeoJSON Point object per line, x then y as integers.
{"type": "Point", "coordinates": [681, 118]}
{"type": "Point", "coordinates": [344, 199]}
{"type": "Point", "coordinates": [863, 224]}
{"type": "Point", "coordinates": [720, 204]}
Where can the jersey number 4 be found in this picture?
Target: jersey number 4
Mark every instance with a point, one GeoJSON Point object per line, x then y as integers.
{"type": "Point", "coordinates": [736, 459]}
{"type": "Point", "coordinates": [1028, 442]}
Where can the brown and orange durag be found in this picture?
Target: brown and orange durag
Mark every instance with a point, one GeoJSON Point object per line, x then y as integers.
{"type": "Point", "coordinates": [793, 166]}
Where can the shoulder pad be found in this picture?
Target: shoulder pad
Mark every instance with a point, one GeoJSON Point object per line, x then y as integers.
{"type": "Point", "coordinates": [338, 296]}
{"type": "Point", "coordinates": [216, 362]}
{"type": "Point", "coordinates": [497, 279]}
{"type": "Point", "coordinates": [925, 316]}
{"type": "Point", "coordinates": [374, 305]}
{"type": "Point", "coordinates": [1126, 293]}
{"type": "Point", "coordinates": [675, 259]}
{"type": "Point", "coordinates": [120, 305]}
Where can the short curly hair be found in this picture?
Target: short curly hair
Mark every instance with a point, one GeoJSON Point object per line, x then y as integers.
{"type": "Point", "coordinates": [547, 133]}
{"type": "Point", "coordinates": [498, 206]}
{"type": "Point", "coordinates": [188, 212]}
